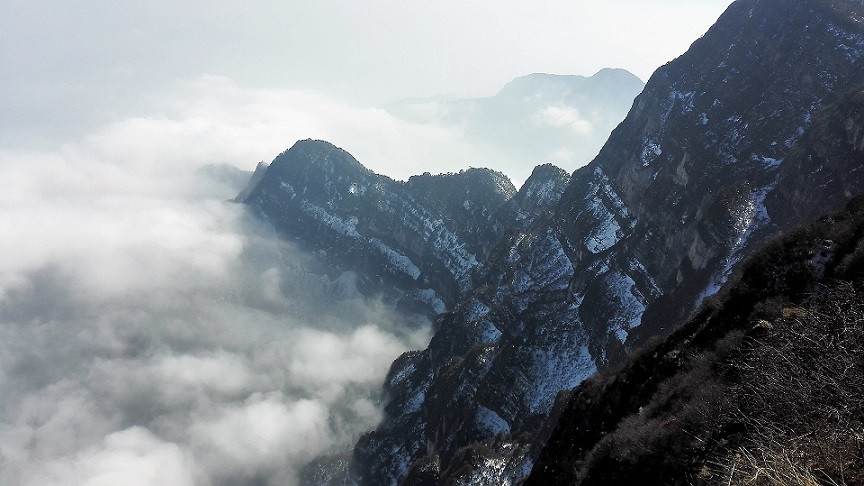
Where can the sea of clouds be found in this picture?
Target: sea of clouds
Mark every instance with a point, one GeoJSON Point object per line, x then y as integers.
{"type": "Point", "coordinates": [151, 332]}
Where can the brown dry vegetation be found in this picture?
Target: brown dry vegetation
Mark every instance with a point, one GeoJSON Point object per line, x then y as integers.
{"type": "Point", "coordinates": [801, 392]}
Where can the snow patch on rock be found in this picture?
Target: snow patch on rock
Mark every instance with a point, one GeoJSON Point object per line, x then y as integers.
{"type": "Point", "coordinates": [490, 423]}
{"type": "Point", "coordinates": [622, 288]}
{"type": "Point", "coordinates": [560, 368]}
{"type": "Point", "coordinates": [430, 297]}
{"type": "Point", "coordinates": [650, 151]}
{"type": "Point", "coordinates": [508, 465]}
{"type": "Point", "coordinates": [606, 233]}
{"type": "Point", "coordinates": [490, 334]}
{"type": "Point", "coordinates": [337, 224]}
{"type": "Point", "coordinates": [749, 218]}
{"type": "Point", "coordinates": [397, 260]}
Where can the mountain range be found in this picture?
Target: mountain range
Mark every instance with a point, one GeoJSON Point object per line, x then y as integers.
{"type": "Point", "coordinates": [559, 119]}
{"type": "Point", "coordinates": [758, 128]}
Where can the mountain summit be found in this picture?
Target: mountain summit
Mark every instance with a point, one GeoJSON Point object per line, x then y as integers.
{"type": "Point", "coordinates": [417, 242]}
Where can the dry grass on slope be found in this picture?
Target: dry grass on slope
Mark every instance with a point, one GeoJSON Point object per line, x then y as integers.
{"type": "Point", "coordinates": [801, 396]}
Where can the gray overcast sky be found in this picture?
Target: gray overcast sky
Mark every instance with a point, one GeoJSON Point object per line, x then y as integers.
{"type": "Point", "coordinates": [66, 67]}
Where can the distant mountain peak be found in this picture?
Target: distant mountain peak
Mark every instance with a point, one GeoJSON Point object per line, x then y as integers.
{"type": "Point", "coordinates": [563, 119]}
{"type": "Point", "coordinates": [620, 79]}
{"type": "Point", "coordinates": [320, 154]}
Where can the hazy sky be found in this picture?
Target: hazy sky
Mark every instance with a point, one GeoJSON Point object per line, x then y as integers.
{"type": "Point", "coordinates": [67, 67]}
{"type": "Point", "coordinates": [380, 50]}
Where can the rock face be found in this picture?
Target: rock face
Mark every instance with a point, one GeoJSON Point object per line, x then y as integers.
{"type": "Point", "coordinates": [757, 128]}
{"type": "Point", "coordinates": [538, 196]}
{"type": "Point", "coordinates": [835, 140]}
{"type": "Point", "coordinates": [764, 377]}
{"type": "Point", "coordinates": [716, 128]}
{"type": "Point", "coordinates": [417, 242]}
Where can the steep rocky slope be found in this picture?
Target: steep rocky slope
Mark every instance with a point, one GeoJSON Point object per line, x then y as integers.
{"type": "Point", "coordinates": [757, 128]}
{"type": "Point", "coordinates": [765, 385]}
{"type": "Point", "coordinates": [538, 196]}
{"type": "Point", "coordinates": [416, 242]}
{"type": "Point", "coordinates": [659, 220]}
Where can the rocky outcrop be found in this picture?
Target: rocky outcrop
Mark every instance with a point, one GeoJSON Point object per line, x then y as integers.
{"type": "Point", "coordinates": [759, 110]}
{"type": "Point", "coordinates": [538, 197]}
{"type": "Point", "coordinates": [417, 242]}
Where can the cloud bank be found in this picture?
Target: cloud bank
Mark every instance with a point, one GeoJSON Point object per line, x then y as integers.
{"type": "Point", "coordinates": [152, 333]}
{"type": "Point", "coordinates": [212, 119]}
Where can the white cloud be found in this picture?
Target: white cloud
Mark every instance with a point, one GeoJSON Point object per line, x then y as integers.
{"type": "Point", "coordinates": [212, 119]}
{"type": "Point", "coordinates": [133, 457]}
{"type": "Point", "coordinates": [563, 116]}
{"type": "Point", "coordinates": [70, 68]}
{"type": "Point", "coordinates": [261, 438]}
{"type": "Point", "coordinates": [152, 333]}
{"type": "Point", "coordinates": [382, 50]}
{"type": "Point", "coordinates": [329, 362]}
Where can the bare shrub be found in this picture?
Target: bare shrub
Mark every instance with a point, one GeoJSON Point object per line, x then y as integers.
{"type": "Point", "coordinates": [801, 395]}
{"type": "Point", "coordinates": [772, 466]}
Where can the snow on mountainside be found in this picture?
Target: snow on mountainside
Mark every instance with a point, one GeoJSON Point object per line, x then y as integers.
{"type": "Point", "coordinates": [677, 197]}
{"type": "Point", "coordinates": [757, 128]}
{"type": "Point", "coordinates": [761, 386]}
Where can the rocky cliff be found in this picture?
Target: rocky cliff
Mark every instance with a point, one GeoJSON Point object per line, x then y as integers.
{"type": "Point", "coordinates": [416, 242]}
{"type": "Point", "coordinates": [764, 385]}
